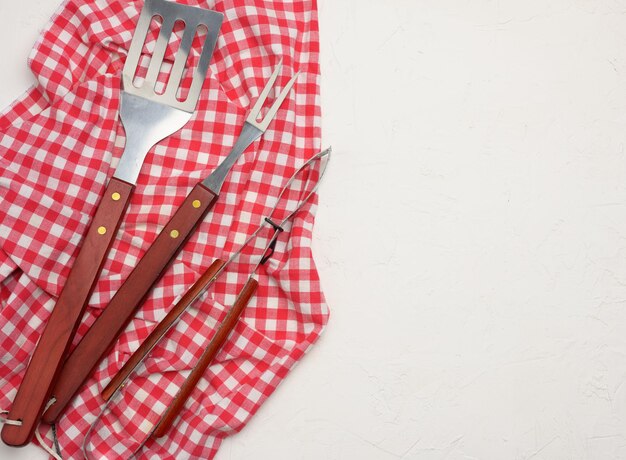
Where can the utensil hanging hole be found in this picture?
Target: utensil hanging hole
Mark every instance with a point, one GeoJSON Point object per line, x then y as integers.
{"type": "Point", "coordinates": [173, 45]}
{"type": "Point", "coordinates": [146, 51]}
{"type": "Point", "coordinates": [197, 45]}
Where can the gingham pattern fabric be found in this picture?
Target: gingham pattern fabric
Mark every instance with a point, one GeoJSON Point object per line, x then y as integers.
{"type": "Point", "coordinates": [59, 144]}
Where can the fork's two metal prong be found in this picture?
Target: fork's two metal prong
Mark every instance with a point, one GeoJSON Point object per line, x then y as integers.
{"type": "Point", "coordinates": [256, 109]}
{"type": "Point", "coordinates": [251, 131]}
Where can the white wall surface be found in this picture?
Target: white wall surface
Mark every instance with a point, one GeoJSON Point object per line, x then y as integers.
{"type": "Point", "coordinates": [471, 235]}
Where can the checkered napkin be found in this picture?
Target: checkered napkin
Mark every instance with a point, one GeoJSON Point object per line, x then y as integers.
{"type": "Point", "coordinates": [59, 144]}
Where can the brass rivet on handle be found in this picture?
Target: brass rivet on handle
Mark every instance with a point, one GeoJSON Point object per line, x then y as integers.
{"type": "Point", "coordinates": [174, 233]}
{"type": "Point", "coordinates": [102, 230]}
{"type": "Point", "coordinates": [116, 196]}
{"type": "Point", "coordinates": [196, 204]}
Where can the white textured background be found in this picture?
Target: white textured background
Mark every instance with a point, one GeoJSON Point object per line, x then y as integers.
{"type": "Point", "coordinates": [471, 235]}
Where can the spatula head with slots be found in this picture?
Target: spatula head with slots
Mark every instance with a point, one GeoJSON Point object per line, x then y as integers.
{"type": "Point", "coordinates": [149, 116]}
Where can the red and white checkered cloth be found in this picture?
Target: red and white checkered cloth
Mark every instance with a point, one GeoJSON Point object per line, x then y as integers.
{"type": "Point", "coordinates": [60, 142]}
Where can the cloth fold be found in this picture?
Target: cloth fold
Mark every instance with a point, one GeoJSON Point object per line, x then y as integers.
{"type": "Point", "coordinates": [59, 144]}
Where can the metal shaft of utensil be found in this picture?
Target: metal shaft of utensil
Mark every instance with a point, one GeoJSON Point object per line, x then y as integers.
{"type": "Point", "coordinates": [105, 330]}
{"type": "Point", "coordinates": [204, 282]}
{"type": "Point", "coordinates": [148, 118]}
{"type": "Point", "coordinates": [232, 317]}
{"type": "Point", "coordinates": [208, 278]}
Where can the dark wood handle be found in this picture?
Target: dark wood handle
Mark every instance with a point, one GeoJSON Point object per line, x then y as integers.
{"type": "Point", "coordinates": [34, 391]}
{"type": "Point", "coordinates": [100, 338]}
{"type": "Point", "coordinates": [161, 329]}
{"type": "Point", "coordinates": [115, 317]}
{"type": "Point", "coordinates": [207, 357]}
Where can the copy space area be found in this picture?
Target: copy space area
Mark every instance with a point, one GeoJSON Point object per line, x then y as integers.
{"type": "Point", "coordinates": [470, 236]}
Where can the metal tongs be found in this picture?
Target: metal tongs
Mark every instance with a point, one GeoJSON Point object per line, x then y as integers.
{"type": "Point", "coordinates": [119, 381]}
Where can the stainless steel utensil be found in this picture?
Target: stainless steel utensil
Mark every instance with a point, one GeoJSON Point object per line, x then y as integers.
{"type": "Point", "coordinates": [208, 278]}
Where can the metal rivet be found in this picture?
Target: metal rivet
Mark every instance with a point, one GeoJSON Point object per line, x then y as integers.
{"type": "Point", "coordinates": [174, 233]}
{"type": "Point", "coordinates": [196, 203]}
{"type": "Point", "coordinates": [116, 196]}
{"type": "Point", "coordinates": [102, 230]}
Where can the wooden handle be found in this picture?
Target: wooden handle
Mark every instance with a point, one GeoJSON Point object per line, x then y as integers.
{"type": "Point", "coordinates": [34, 391]}
{"type": "Point", "coordinates": [161, 329]}
{"type": "Point", "coordinates": [207, 357]}
{"type": "Point", "coordinates": [102, 335]}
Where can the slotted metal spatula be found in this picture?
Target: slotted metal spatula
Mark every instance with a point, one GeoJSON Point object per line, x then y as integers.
{"type": "Point", "coordinates": [148, 117]}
